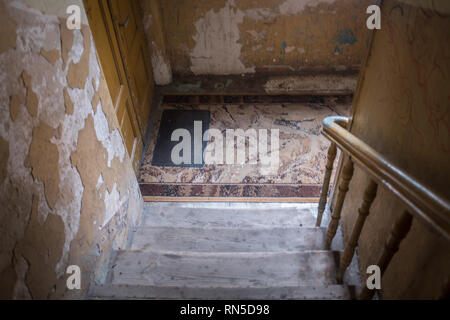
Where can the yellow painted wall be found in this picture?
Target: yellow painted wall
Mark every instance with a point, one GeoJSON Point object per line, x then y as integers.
{"type": "Point", "coordinates": [247, 36]}
{"type": "Point", "coordinates": [403, 112]}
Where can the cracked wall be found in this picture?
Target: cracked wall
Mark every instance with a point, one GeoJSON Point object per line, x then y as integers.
{"type": "Point", "coordinates": [68, 193]}
{"type": "Point", "coordinates": [247, 36]}
{"type": "Point", "coordinates": [406, 82]}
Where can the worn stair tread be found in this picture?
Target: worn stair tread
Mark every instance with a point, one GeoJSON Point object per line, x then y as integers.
{"type": "Point", "coordinates": [309, 268]}
{"type": "Point", "coordinates": [227, 251]}
{"type": "Point", "coordinates": [204, 217]}
{"type": "Point", "coordinates": [326, 292]}
{"type": "Point", "coordinates": [213, 239]}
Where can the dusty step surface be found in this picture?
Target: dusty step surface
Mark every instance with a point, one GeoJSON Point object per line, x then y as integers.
{"type": "Point", "coordinates": [225, 251]}
{"type": "Point", "coordinates": [228, 239]}
{"type": "Point", "coordinates": [308, 268]}
{"type": "Point", "coordinates": [231, 218]}
{"type": "Point", "coordinates": [332, 292]}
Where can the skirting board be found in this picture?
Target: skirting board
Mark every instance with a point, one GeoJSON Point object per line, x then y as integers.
{"type": "Point", "coordinates": [230, 191]}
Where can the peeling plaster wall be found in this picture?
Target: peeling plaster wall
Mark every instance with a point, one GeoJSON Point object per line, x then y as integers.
{"type": "Point", "coordinates": [156, 37]}
{"type": "Point", "coordinates": [56, 7]}
{"type": "Point", "coordinates": [68, 193]}
{"type": "Point", "coordinates": [234, 37]}
{"type": "Point", "coordinates": [403, 112]}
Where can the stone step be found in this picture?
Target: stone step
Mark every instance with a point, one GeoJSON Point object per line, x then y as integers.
{"type": "Point", "coordinates": [230, 218]}
{"type": "Point", "coordinates": [228, 239]}
{"type": "Point", "coordinates": [328, 292]}
{"type": "Point", "coordinates": [237, 270]}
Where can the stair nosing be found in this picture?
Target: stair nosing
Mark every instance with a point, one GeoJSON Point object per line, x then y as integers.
{"type": "Point", "coordinates": [98, 291]}
{"type": "Point", "coordinates": [239, 253]}
{"type": "Point", "coordinates": [257, 228]}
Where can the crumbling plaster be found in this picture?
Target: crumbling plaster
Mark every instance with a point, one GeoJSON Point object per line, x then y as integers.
{"type": "Point", "coordinates": [58, 137]}
{"type": "Point", "coordinates": [246, 36]}
{"type": "Point", "coordinates": [156, 37]}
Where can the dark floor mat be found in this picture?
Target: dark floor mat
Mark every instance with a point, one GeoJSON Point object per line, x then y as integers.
{"type": "Point", "coordinates": [179, 119]}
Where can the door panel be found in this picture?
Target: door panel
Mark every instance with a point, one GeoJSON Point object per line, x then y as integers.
{"type": "Point", "coordinates": [117, 29]}
{"type": "Point", "coordinates": [140, 77]}
{"type": "Point", "coordinates": [128, 133]}
{"type": "Point", "coordinates": [133, 45]}
{"type": "Point", "coordinates": [105, 45]}
{"type": "Point", "coordinates": [127, 21]}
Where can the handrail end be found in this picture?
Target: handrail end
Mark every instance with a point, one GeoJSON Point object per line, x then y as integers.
{"type": "Point", "coordinates": [339, 120]}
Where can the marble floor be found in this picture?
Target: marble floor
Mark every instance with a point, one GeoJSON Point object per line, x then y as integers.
{"type": "Point", "coordinates": [302, 148]}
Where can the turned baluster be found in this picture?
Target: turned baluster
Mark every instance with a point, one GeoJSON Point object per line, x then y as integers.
{"type": "Point", "coordinates": [398, 233]}
{"type": "Point", "coordinates": [326, 183]}
{"type": "Point", "coordinates": [369, 196]}
{"type": "Point", "coordinates": [347, 174]}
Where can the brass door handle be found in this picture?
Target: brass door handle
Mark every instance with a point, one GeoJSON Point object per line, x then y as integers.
{"type": "Point", "coordinates": [125, 23]}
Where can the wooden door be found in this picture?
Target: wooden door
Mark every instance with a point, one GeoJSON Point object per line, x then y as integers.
{"type": "Point", "coordinates": [123, 54]}
{"type": "Point", "coordinates": [127, 18]}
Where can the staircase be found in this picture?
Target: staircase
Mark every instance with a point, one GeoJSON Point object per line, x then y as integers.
{"type": "Point", "coordinates": [226, 251]}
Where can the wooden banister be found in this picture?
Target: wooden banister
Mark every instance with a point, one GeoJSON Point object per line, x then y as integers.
{"type": "Point", "coordinates": [423, 203]}
{"type": "Point", "coordinates": [420, 201]}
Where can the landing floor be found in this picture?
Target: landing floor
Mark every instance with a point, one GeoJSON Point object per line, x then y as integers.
{"type": "Point", "coordinates": [302, 154]}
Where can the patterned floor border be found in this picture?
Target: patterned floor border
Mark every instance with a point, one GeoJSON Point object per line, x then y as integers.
{"type": "Point", "coordinates": [231, 192]}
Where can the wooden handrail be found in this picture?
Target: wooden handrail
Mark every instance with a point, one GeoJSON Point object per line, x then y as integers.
{"type": "Point", "coordinates": [422, 202]}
